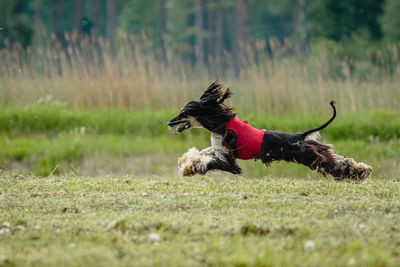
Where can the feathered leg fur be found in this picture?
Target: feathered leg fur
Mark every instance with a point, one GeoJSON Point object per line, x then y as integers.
{"type": "Point", "coordinates": [311, 153]}
{"type": "Point", "coordinates": [195, 161]}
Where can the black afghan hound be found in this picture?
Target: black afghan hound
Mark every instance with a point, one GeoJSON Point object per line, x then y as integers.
{"type": "Point", "coordinates": [232, 139]}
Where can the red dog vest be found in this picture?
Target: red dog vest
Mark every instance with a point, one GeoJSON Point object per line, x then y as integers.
{"type": "Point", "coordinates": [249, 139]}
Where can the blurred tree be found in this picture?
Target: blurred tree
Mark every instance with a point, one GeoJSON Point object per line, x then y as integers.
{"type": "Point", "coordinates": [209, 14]}
{"type": "Point", "coordinates": [218, 32]}
{"type": "Point", "coordinates": [390, 20]}
{"type": "Point", "coordinates": [331, 19]}
{"type": "Point", "coordinates": [77, 14]}
{"type": "Point", "coordinates": [111, 20]}
{"type": "Point", "coordinates": [36, 18]}
{"type": "Point", "coordinates": [201, 31]}
{"type": "Point", "coordinates": [271, 19]}
{"type": "Point", "coordinates": [199, 49]}
{"type": "Point", "coordinates": [241, 36]}
{"type": "Point", "coordinates": [367, 16]}
{"type": "Point", "coordinates": [96, 16]}
{"type": "Point", "coordinates": [161, 29]}
{"type": "Point", "coordinates": [57, 11]}
{"type": "Point", "coordinates": [338, 20]}
{"type": "Point", "coordinates": [16, 25]}
{"type": "Point", "coordinates": [300, 23]}
{"type": "Point", "coordinates": [140, 17]}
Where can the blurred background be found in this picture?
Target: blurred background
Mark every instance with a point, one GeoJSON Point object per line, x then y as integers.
{"type": "Point", "coordinates": [87, 86]}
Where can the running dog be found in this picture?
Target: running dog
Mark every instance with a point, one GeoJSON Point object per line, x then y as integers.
{"type": "Point", "coordinates": [233, 139]}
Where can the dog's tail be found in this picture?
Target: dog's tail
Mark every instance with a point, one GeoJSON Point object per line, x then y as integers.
{"type": "Point", "coordinates": [307, 133]}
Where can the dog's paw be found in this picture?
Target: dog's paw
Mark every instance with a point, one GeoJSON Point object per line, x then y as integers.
{"type": "Point", "coordinates": [187, 170]}
{"type": "Point", "coordinates": [362, 172]}
{"type": "Point", "coordinates": [187, 163]}
{"type": "Point", "coordinates": [348, 168]}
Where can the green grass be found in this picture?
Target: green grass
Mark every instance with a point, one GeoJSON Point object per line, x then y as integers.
{"type": "Point", "coordinates": [44, 140]}
{"type": "Point", "coordinates": [88, 188]}
{"type": "Point", "coordinates": [61, 153]}
{"type": "Point", "coordinates": [203, 220]}
{"type": "Point", "coordinates": [381, 124]}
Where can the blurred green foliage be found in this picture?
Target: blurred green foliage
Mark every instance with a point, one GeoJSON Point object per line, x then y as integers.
{"type": "Point", "coordinates": [381, 124]}
{"type": "Point", "coordinates": [341, 21]}
{"type": "Point", "coordinates": [338, 20]}
{"type": "Point", "coordinates": [16, 22]}
{"type": "Point", "coordinates": [390, 20]}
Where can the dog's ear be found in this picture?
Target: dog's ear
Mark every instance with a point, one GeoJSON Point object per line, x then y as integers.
{"type": "Point", "coordinates": [214, 93]}
{"type": "Point", "coordinates": [226, 95]}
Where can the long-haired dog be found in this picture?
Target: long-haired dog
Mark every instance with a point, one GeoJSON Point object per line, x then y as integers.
{"type": "Point", "coordinates": [232, 139]}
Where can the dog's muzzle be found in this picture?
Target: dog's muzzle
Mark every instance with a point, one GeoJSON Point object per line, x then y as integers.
{"type": "Point", "coordinates": [179, 126]}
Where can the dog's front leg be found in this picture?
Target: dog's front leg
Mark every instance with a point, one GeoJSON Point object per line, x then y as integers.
{"type": "Point", "coordinates": [195, 161]}
{"type": "Point", "coordinates": [224, 161]}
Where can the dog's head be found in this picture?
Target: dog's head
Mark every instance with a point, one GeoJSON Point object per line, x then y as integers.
{"type": "Point", "coordinates": [207, 112]}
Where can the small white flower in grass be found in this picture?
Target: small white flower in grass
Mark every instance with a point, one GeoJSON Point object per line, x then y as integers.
{"type": "Point", "coordinates": [58, 230]}
{"type": "Point", "coordinates": [62, 191]}
{"type": "Point", "coordinates": [362, 226]}
{"type": "Point", "coordinates": [37, 227]}
{"type": "Point", "coordinates": [351, 261]}
{"type": "Point", "coordinates": [20, 228]}
{"type": "Point", "coordinates": [144, 194]}
{"type": "Point", "coordinates": [2, 231]}
{"type": "Point", "coordinates": [309, 245]}
{"type": "Point", "coordinates": [6, 224]}
{"type": "Point", "coordinates": [202, 193]}
{"type": "Point", "coordinates": [154, 238]}
{"type": "Point", "coordinates": [336, 211]}
{"type": "Point", "coordinates": [71, 245]}
{"type": "Point", "coordinates": [186, 194]}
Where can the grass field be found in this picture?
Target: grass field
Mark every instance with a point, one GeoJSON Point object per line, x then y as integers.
{"type": "Point", "coordinates": [88, 172]}
{"type": "Point", "coordinates": [204, 220]}
{"type": "Point", "coordinates": [49, 140]}
{"type": "Point", "coordinates": [80, 187]}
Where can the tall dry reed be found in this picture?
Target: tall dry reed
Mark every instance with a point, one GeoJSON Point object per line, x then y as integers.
{"type": "Point", "coordinates": [90, 73]}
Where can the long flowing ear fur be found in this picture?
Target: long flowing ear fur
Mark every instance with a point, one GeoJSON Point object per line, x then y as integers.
{"type": "Point", "coordinates": [226, 95]}
{"type": "Point", "coordinates": [214, 93]}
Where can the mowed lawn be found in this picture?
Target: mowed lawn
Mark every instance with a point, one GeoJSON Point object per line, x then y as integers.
{"type": "Point", "coordinates": [214, 220]}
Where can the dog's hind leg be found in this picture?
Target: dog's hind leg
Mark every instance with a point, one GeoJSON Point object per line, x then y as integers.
{"type": "Point", "coordinates": [348, 168]}
{"type": "Point", "coordinates": [322, 158]}
{"type": "Point", "coordinates": [195, 161]}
